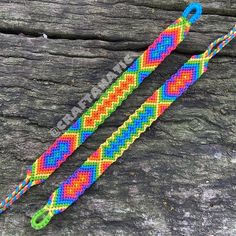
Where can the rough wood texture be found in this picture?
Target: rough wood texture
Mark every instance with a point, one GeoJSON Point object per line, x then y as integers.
{"type": "Point", "coordinates": [178, 178]}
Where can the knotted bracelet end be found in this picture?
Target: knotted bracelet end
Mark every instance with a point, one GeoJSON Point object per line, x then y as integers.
{"type": "Point", "coordinates": [190, 8]}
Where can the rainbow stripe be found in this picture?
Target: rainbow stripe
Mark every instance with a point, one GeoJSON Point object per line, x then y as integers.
{"type": "Point", "coordinates": [71, 189]}
{"type": "Point", "coordinates": [85, 126]}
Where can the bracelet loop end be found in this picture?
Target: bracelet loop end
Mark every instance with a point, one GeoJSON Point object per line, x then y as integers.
{"type": "Point", "coordinates": [41, 219]}
{"type": "Point", "coordinates": [193, 7]}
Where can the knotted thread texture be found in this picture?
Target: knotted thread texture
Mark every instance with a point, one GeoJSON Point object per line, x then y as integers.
{"type": "Point", "coordinates": [70, 190]}
{"type": "Point", "coordinates": [65, 145]}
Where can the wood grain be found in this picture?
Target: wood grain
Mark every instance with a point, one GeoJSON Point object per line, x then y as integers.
{"type": "Point", "coordinates": [178, 178]}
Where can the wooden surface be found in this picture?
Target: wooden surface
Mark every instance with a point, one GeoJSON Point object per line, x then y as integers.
{"type": "Point", "coordinates": [178, 178]}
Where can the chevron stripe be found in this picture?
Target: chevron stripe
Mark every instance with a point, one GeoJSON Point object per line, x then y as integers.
{"type": "Point", "coordinates": [120, 140]}
{"type": "Point", "coordinates": [65, 145]}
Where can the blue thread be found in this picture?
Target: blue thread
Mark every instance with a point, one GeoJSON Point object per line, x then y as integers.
{"type": "Point", "coordinates": [193, 6]}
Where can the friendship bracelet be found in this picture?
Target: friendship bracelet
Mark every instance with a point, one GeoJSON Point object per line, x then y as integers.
{"type": "Point", "coordinates": [72, 188]}
{"type": "Point", "coordinates": [85, 126]}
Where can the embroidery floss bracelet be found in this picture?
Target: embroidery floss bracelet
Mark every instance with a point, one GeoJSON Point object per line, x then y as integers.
{"type": "Point", "coordinates": [72, 188]}
{"type": "Point", "coordinates": [85, 126]}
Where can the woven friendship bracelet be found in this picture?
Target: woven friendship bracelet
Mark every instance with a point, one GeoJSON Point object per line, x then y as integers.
{"type": "Point", "coordinates": [72, 188]}
{"type": "Point", "coordinates": [85, 126]}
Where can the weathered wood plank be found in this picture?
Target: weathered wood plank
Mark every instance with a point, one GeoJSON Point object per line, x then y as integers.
{"type": "Point", "coordinates": [117, 20]}
{"type": "Point", "coordinates": [178, 178]}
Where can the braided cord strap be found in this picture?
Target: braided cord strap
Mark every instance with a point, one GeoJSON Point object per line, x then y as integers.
{"type": "Point", "coordinates": [71, 189]}
{"type": "Point", "coordinates": [85, 126]}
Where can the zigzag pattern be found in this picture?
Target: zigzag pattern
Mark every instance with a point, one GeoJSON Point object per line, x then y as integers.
{"type": "Point", "coordinates": [65, 145]}
{"type": "Point", "coordinates": [113, 148]}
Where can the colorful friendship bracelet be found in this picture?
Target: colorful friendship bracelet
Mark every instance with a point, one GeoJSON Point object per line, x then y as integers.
{"type": "Point", "coordinates": [85, 126]}
{"type": "Point", "coordinates": [72, 188]}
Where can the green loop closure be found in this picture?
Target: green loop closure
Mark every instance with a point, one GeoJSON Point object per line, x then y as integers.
{"type": "Point", "coordinates": [41, 218]}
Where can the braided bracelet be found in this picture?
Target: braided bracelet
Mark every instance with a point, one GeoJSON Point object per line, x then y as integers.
{"type": "Point", "coordinates": [72, 188]}
{"type": "Point", "coordinates": [85, 126]}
